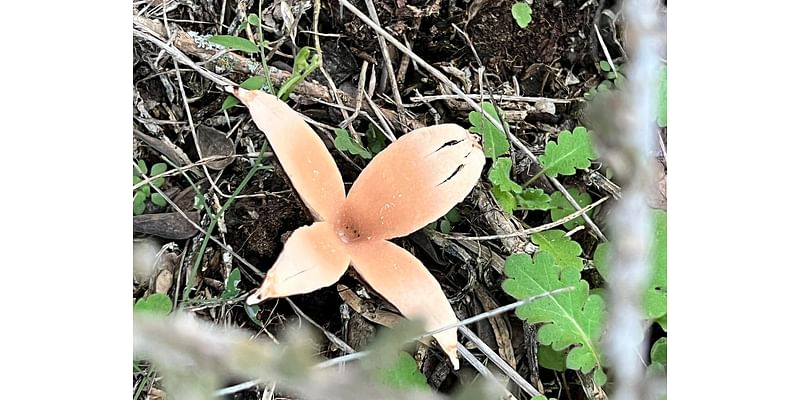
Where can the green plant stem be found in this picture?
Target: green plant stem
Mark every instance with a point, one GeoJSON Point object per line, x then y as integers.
{"type": "Point", "coordinates": [207, 235]}
{"type": "Point", "coordinates": [534, 178]}
{"type": "Point", "coordinates": [264, 66]}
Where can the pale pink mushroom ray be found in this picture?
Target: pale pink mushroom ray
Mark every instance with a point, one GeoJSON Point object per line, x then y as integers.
{"type": "Point", "coordinates": [411, 183]}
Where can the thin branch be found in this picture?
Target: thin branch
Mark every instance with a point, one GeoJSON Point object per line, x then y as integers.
{"type": "Point", "coordinates": [500, 97]}
{"type": "Point", "coordinates": [539, 228]}
{"type": "Point", "coordinates": [476, 318]}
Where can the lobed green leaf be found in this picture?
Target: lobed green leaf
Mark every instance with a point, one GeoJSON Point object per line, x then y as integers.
{"type": "Point", "coordinates": [560, 207]}
{"type": "Point", "coordinates": [499, 175]}
{"type": "Point", "coordinates": [572, 151]}
{"type": "Point", "coordinates": [571, 320]}
{"type": "Point", "coordinates": [565, 251]}
{"type": "Point", "coordinates": [533, 199]}
{"type": "Point", "coordinates": [495, 143]}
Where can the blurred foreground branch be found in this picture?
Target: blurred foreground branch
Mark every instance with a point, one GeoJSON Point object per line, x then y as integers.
{"type": "Point", "coordinates": [196, 357]}
{"type": "Point", "coordinates": [626, 137]}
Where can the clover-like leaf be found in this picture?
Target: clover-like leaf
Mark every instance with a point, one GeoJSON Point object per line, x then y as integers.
{"type": "Point", "coordinates": [499, 175]}
{"type": "Point", "coordinates": [495, 143]}
{"type": "Point", "coordinates": [138, 202]}
{"type": "Point", "coordinates": [655, 296]}
{"type": "Point", "coordinates": [156, 303]}
{"type": "Point", "coordinates": [572, 319]}
{"type": "Point", "coordinates": [158, 169]}
{"type": "Point", "coordinates": [521, 12]}
{"type": "Point", "coordinates": [142, 166]}
{"type": "Point", "coordinates": [572, 151]}
{"type": "Point", "coordinates": [344, 142]}
{"type": "Point", "coordinates": [158, 199]}
{"type": "Point", "coordinates": [234, 42]}
{"type": "Point", "coordinates": [560, 207]}
{"type": "Point", "coordinates": [564, 250]}
{"type": "Point", "coordinates": [533, 199]}
{"type": "Point", "coordinates": [403, 374]}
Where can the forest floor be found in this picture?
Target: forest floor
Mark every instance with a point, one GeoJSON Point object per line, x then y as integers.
{"type": "Point", "coordinates": [539, 76]}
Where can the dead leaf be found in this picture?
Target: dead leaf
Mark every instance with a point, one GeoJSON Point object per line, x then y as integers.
{"type": "Point", "coordinates": [214, 143]}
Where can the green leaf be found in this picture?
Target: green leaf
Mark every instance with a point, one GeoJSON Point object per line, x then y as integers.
{"type": "Point", "coordinates": [655, 296]}
{"type": "Point", "coordinates": [605, 66]}
{"type": "Point", "coordinates": [658, 353]}
{"type": "Point", "coordinates": [573, 151]}
{"type": "Point", "coordinates": [560, 207]}
{"type": "Point", "coordinates": [344, 142]}
{"type": "Point", "coordinates": [499, 175]}
{"type": "Point", "coordinates": [375, 140]}
{"type": "Point", "coordinates": [252, 313]}
{"type": "Point", "coordinates": [231, 290]}
{"type": "Point", "coordinates": [157, 169]}
{"type": "Point", "coordinates": [663, 322]}
{"type": "Point", "coordinates": [564, 250]}
{"type": "Point", "coordinates": [142, 166]}
{"type": "Point", "coordinates": [403, 374]}
{"type": "Point", "coordinates": [572, 320]}
{"type": "Point", "coordinates": [253, 19]}
{"type": "Point", "coordinates": [255, 82]}
{"type": "Point", "coordinates": [138, 202]}
{"type": "Point", "coordinates": [158, 199]}
{"type": "Point", "coordinates": [661, 102]}
{"type": "Point", "coordinates": [533, 199]}
{"type": "Point", "coordinates": [305, 62]}
{"type": "Point", "coordinates": [506, 200]}
{"type": "Point", "coordinates": [229, 102]}
{"type": "Point", "coordinates": [136, 180]}
{"type": "Point", "coordinates": [444, 226]}
{"type": "Point", "coordinates": [551, 359]}
{"type": "Point", "coordinates": [453, 215]}
{"type": "Point", "coordinates": [495, 143]}
{"type": "Point", "coordinates": [521, 12]}
{"type": "Point", "coordinates": [156, 303]}
{"type": "Point", "coordinates": [234, 42]}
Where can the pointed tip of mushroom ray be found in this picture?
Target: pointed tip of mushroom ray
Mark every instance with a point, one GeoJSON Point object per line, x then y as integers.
{"type": "Point", "coordinates": [401, 279]}
{"type": "Point", "coordinates": [301, 152]}
{"type": "Point", "coordinates": [412, 182]}
{"type": "Point", "coordinates": [312, 258]}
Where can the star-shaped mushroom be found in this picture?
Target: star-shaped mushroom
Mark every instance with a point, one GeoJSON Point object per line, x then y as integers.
{"type": "Point", "coordinates": [411, 183]}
